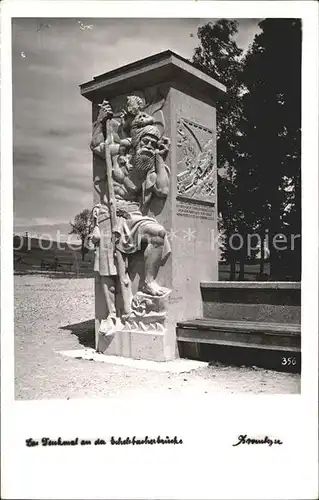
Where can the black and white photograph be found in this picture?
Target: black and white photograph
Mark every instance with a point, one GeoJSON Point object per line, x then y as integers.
{"type": "Point", "coordinates": [188, 222]}
{"type": "Point", "coordinates": [158, 221]}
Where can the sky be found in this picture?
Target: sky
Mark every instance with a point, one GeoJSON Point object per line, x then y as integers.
{"type": "Point", "coordinates": [52, 162]}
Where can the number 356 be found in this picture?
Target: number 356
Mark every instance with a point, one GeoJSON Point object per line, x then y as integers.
{"type": "Point", "coordinates": [288, 361]}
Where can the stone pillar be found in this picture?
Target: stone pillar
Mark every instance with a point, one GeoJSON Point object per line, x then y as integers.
{"type": "Point", "coordinates": [186, 98]}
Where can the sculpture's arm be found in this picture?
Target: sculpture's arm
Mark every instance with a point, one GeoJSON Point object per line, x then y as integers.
{"type": "Point", "coordinates": [98, 147]}
{"type": "Point", "coordinates": [97, 144]}
{"type": "Point", "coordinates": [161, 186]}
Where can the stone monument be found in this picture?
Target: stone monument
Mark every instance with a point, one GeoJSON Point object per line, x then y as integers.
{"type": "Point", "coordinates": [154, 219]}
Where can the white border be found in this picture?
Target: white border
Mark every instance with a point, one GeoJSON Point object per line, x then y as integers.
{"type": "Point", "coordinates": [206, 466]}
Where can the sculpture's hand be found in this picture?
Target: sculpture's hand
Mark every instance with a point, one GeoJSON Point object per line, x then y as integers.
{"type": "Point", "coordinates": [123, 115]}
{"type": "Point", "coordinates": [95, 236]}
{"type": "Point", "coordinates": [105, 112]}
{"type": "Point", "coordinates": [163, 147]}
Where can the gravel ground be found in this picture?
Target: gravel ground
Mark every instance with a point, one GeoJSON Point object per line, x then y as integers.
{"type": "Point", "coordinates": [49, 319]}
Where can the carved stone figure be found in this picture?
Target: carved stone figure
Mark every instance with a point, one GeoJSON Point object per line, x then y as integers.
{"type": "Point", "coordinates": [196, 161]}
{"type": "Point", "coordinates": [134, 150]}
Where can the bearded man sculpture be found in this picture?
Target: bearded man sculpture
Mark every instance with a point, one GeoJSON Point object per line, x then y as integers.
{"type": "Point", "coordinates": [137, 151]}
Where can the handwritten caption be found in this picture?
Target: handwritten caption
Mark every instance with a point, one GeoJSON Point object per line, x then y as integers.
{"type": "Point", "coordinates": [244, 439]}
{"type": "Point", "coordinates": [46, 441]}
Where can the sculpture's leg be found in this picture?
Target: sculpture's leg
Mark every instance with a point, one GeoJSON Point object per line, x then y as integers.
{"type": "Point", "coordinates": [108, 288]}
{"type": "Point", "coordinates": [123, 290]}
{"type": "Point", "coordinates": [123, 296]}
{"type": "Point", "coordinates": [154, 236]}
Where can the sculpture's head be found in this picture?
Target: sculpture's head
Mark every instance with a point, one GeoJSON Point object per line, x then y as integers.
{"type": "Point", "coordinates": [141, 120]}
{"type": "Point", "coordinates": [134, 104]}
{"type": "Point", "coordinates": [145, 143]}
{"type": "Point", "coordinates": [145, 140]}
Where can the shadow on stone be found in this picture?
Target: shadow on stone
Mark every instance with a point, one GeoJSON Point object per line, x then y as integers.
{"type": "Point", "coordinates": [84, 331]}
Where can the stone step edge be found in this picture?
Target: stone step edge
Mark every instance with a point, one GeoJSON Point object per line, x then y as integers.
{"type": "Point", "coordinates": [285, 329]}
{"type": "Point", "coordinates": [232, 343]}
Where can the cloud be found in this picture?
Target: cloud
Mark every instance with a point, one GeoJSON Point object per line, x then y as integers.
{"type": "Point", "coordinates": [27, 156]}
{"type": "Point", "coordinates": [55, 132]}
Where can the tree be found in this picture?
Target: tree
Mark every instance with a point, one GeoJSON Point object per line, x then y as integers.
{"type": "Point", "coordinates": [82, 226]}
{"type": "Point", "coordinates": [258, 134]}
{"type": "Point", "coordinates": [220, 57]}
{"type": "Point", "coordinates": [271, 127]}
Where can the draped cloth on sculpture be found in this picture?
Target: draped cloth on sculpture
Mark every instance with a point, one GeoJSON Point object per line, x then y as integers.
{"type": "Point", "coordinates": [130, 223]}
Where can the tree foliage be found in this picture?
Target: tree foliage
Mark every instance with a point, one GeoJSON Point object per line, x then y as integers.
{"type": "Point", "coordinates": [219, 56]}
{"type": "Point", "coordinates": [258, 130]}
{"type": "Point", "coordinates": [82, 227]}
{"type": "Point", "coordinates": [271, 127]}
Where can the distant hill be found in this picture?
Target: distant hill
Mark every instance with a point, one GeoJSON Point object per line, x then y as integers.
{"type": "Point", "coordinates": [30, 253]}
{"type": "Point", "coordinates": [37, 230]}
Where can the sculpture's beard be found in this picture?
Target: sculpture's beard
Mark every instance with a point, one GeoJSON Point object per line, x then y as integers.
{"type": "Point", "coordinates": [143, 160]}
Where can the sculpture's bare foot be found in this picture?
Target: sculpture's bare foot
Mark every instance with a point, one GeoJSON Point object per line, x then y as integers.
{"type": "Point", "coordinates": [152, 288]}
{"type": "Point", "coordinates": [108, 326]}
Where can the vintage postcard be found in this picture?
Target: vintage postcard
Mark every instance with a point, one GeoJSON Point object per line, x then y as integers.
{"type": "Point", "coordinates": [159, 230]}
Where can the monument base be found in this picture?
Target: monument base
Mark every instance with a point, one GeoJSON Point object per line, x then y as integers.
{"type": "Point", "coordinates": [170, 109]}
{"type": "Point", "coordinates": [137, 344]}
{"type": "Point", "coordinates": [142, 334]}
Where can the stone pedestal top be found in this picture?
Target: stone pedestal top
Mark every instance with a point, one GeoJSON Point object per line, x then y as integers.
{"type": "Point", "coordinates": [164, 66]}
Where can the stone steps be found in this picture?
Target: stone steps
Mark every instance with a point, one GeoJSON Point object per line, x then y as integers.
{"type": "Point", "coordinates": [259, 314]}
{"type": "Point", "coordinates": [255, 321]}
{"type": "Point", "coordinates": [241, 333]}
{"type": "Point", "coordinates": [252, 301]}
{"type": "Point", "coordinates": [268, 344]}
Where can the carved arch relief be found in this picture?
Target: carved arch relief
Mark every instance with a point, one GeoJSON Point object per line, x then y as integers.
{"type": "Point", "coordinates": [196, 161]}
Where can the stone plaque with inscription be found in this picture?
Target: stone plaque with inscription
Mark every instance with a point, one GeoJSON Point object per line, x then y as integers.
{"type": "Point", "coordinates": [196, 209]}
